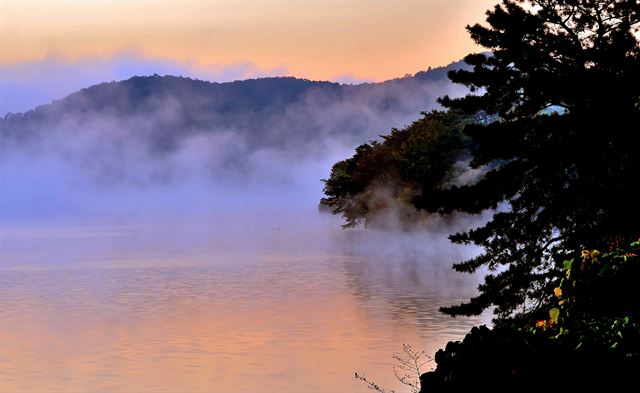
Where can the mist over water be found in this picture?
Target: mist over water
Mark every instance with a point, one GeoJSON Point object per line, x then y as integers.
{"type": "Point", "coordinates": [139, 250]}
{"type": "Point", "coordinates": [160, 144]}
{"type": "Point", "coordinates": [199, 304]}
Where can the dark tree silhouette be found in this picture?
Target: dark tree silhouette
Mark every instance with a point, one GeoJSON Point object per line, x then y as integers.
{"type": "Point", "coordinates": [563, 79]}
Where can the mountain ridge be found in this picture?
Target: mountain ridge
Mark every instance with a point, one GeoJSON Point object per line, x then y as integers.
{"type": "Point", "coordinates": [158, 127]}
{"type": "Point", "coordinates": [183, 140]}
{"type": "Point", "coordinates": [434, 73]}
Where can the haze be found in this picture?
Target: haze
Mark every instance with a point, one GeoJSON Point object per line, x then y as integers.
{"type": "Point", "coordinates": [162, 232]}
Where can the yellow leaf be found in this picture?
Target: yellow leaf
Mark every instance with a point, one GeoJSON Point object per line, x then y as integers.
{"type": "Point", "coordinates": [554, 313]}
{"type": "Point", "coordinates": [557, 291]}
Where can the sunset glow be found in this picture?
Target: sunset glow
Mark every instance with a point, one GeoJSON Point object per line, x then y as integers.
{"type": "Point", "coordinates": [370, 40]}
{"type": "Point", "coordinates": [315, 196]}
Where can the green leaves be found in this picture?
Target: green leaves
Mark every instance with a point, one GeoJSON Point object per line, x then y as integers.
{"type": "Point", "coordinates": [567, 264]}
{"type": "Point", "coordinates": [597, 304]}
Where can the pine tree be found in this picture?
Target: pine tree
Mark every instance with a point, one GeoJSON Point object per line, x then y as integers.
{"type": "Point", "coordinates": [563, 79]}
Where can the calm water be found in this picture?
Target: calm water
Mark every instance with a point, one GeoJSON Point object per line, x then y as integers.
{"type": "Point", "coordinates": [199, 308]}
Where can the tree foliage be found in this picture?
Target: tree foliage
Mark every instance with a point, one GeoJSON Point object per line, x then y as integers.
{"type": "Point", "coordinates": [561, 85]}
{"type": "Point", "coordinates": [405, 163]}
{"type": "Point", "coordinates": [589, 334]}
{"type": "Point", "coordinates": [563, 77]}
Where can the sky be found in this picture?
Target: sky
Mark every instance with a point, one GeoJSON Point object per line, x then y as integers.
{"type": "Point", "coordinates": [52, 48]}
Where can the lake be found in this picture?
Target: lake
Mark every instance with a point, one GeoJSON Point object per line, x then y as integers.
{"type": "Point", "coordinates": [202, 305]}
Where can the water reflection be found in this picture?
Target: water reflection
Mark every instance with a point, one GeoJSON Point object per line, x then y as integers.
{"type": "Point", "coordinates": [146, 309]}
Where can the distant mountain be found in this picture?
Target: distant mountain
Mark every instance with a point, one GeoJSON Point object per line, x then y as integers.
{"type": "Point", "coordinates": [255, 106]}
{"type": "Point", "coordinates": [113, 128]}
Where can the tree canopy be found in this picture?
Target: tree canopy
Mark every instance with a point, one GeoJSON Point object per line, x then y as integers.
{"type": "Point", "coordinates": [389, 174]}
{"type": "Point", "coordinates": [561, 84]}
{"type": "Point", "coordinates": [563, 77]}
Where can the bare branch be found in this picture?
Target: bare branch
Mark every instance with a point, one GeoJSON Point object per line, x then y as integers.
{"type": "Point", "coordinates": [411, 364]}
{"type": "Point", "coordinates": [372, 385]}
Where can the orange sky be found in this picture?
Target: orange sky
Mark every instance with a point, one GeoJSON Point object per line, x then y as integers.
{"type": "Point", "coordinates": [373, 40]}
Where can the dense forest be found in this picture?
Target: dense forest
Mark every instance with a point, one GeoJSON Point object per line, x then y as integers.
{"type": "Point", "coordinates": [547, 141]}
